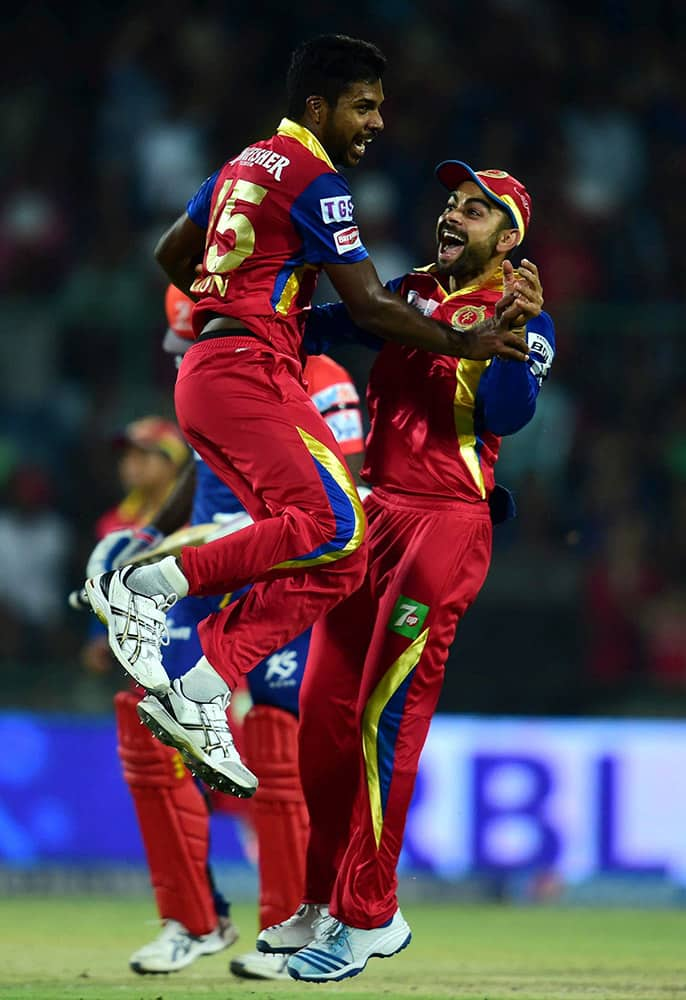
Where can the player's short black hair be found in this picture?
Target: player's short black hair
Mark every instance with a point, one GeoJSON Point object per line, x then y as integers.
{"type": "Point", "coordinates": [327, 65]}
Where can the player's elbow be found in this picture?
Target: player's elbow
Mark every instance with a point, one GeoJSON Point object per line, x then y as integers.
{"type": "Point", "coordinates": [163, 252]}
{"type": "Point", "coordinates": [176, 248]}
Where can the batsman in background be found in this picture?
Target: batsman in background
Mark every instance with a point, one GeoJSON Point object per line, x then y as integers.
{"type": "Point", "coordinates": [154, 463]}
{"type": "Point", "coordinates": [172, 808]}
{"type": "Point", "coordinates": [377, 660]}
{"type": "Point", "coordinates": [264, 226]}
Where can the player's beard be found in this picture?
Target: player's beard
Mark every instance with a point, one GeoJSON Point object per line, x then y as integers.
{"type": "Point", "coordinates": [472, 262]}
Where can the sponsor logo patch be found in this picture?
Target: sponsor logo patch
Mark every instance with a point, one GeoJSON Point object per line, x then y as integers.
{"type": "Point", "coordinates": [347, 239]}
{"type": "Point", "coordinates": [280, 669]}
{"type": "Point", "coordinates": [408, 617]}
{"type": "Point", "coordinates": [541, 356]}
{"type": "Point", "coordinates": [337, 209]}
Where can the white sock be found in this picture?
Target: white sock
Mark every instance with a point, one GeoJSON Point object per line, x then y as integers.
{"type": "Point", "coordinates": [163, 577]}
{"type": "Point", "coordinates": [203, 683]}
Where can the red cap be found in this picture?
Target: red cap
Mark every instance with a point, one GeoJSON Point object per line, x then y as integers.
{"type": "Point", "coordinates": [178, 308]}
{"type": "Point", "coordinates": [155, 434]}
{"type": "Point", "coordinates": [505, 190]}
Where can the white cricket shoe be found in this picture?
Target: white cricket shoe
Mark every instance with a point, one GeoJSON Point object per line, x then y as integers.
{"type": "Point", "coordinates": [136, 626]}
{"type": "Point", "coordinates": [293, 934]}
{"type": "Point", "coordinates": [340, 951]}
{"type": "Point", "coordinates": [175, 947]}
{"type": "Point", "coordinates": [200, 732]}
{"type": "Point", "coordinates": [256, 965]}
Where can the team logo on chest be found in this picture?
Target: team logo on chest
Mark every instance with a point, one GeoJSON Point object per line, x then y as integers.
{"type": "Point", "coordinates": [467, 316]}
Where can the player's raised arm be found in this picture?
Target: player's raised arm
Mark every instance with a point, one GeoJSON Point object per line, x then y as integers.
{"type": "Point", "coordinates": [374, 308]}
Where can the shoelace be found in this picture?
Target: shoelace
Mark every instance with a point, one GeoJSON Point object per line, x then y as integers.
{"type": "Point", "coordinates": [325, 927]}
{"type": "Point", "coordinates": [158, 630]}
{"type": "Point", "coordinates": [215, 720]}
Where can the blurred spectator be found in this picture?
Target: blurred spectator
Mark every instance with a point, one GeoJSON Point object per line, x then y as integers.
{"type": "Point", "coordinates": [34, 545]}
{"type": "Point", "coordinates": [377, 208]}
{"type": "Point", "coordinates": [621, 583]}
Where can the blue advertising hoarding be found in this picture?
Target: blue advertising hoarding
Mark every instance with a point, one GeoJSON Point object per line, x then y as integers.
{"type": "Point", "coordinates": [580, 798]}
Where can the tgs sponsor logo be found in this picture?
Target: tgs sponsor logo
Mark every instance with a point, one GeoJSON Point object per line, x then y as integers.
{"type": "Point", "coordinates": [337, 209]}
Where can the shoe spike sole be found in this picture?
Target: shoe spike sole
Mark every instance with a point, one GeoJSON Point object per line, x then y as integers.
{"type": "Point", "coordinates": [212, 778]}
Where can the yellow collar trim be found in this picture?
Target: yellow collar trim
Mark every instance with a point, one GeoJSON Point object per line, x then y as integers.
{"type": "Point", "coordinates": [303, 135]}
{"type": "Point", "coordinates": [494, 280]}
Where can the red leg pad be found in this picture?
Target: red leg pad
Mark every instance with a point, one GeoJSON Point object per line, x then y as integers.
{"type": "Point", "coordinates": [278, 811]}
{"type": "Point", "coordinates": [173, 820]}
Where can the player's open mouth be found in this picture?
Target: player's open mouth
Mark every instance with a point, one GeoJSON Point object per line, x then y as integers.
{"type": "Point", "coordinates": [450, 246]}
{"type": "Point", "coordinates": [359, 146]}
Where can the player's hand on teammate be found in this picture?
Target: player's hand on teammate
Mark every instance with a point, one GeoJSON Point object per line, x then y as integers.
{"type": "Point", "coordinates": [504, 336]}
{"type": "Point", "coordinates": [494, 337]}
{"type": "Point", "coordinates": [119, 547]}
{"type": "Point", "coordinates": [522, 299]}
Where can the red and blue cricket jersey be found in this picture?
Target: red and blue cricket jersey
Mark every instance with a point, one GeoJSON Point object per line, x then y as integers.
{"type": "Point", "coordinates": [274, 215]}
{"type": "Point", "coordinates": [380, 655]}
{"type": "Point", "coordinates": [437, 421]}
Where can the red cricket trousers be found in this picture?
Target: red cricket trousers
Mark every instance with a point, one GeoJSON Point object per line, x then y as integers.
{"type": "Point", "coordinates": [244, 408]}
{"type": "Point", "coordinates": [373, 678]}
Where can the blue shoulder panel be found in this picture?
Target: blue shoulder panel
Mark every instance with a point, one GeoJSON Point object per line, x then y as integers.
{"type": "Point", "coordinates": [323, 215]}
{"type": "Point", "coordinates": [198, 207]}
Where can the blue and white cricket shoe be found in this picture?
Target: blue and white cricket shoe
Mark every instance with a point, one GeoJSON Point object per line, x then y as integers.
{"type": "Point", "coordinates": [340, 951]}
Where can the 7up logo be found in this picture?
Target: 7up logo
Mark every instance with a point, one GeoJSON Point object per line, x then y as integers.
{"type": "Point", "coordinates": [407, 617]}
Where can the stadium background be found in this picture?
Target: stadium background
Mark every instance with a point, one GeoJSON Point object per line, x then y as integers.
{"type": "Point", "coordinates": [109, 118]}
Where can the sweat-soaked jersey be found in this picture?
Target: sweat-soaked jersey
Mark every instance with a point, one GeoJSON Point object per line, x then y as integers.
{"type": "Point", "coordinates": [274, 215]}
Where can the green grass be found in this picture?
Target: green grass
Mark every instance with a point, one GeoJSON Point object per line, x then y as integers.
{"type": "Point", "coordinates": [77, 949]}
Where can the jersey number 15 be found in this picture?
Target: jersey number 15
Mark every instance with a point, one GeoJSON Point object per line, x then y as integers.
{"type": "Point", "coordinates": [225, 219]}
